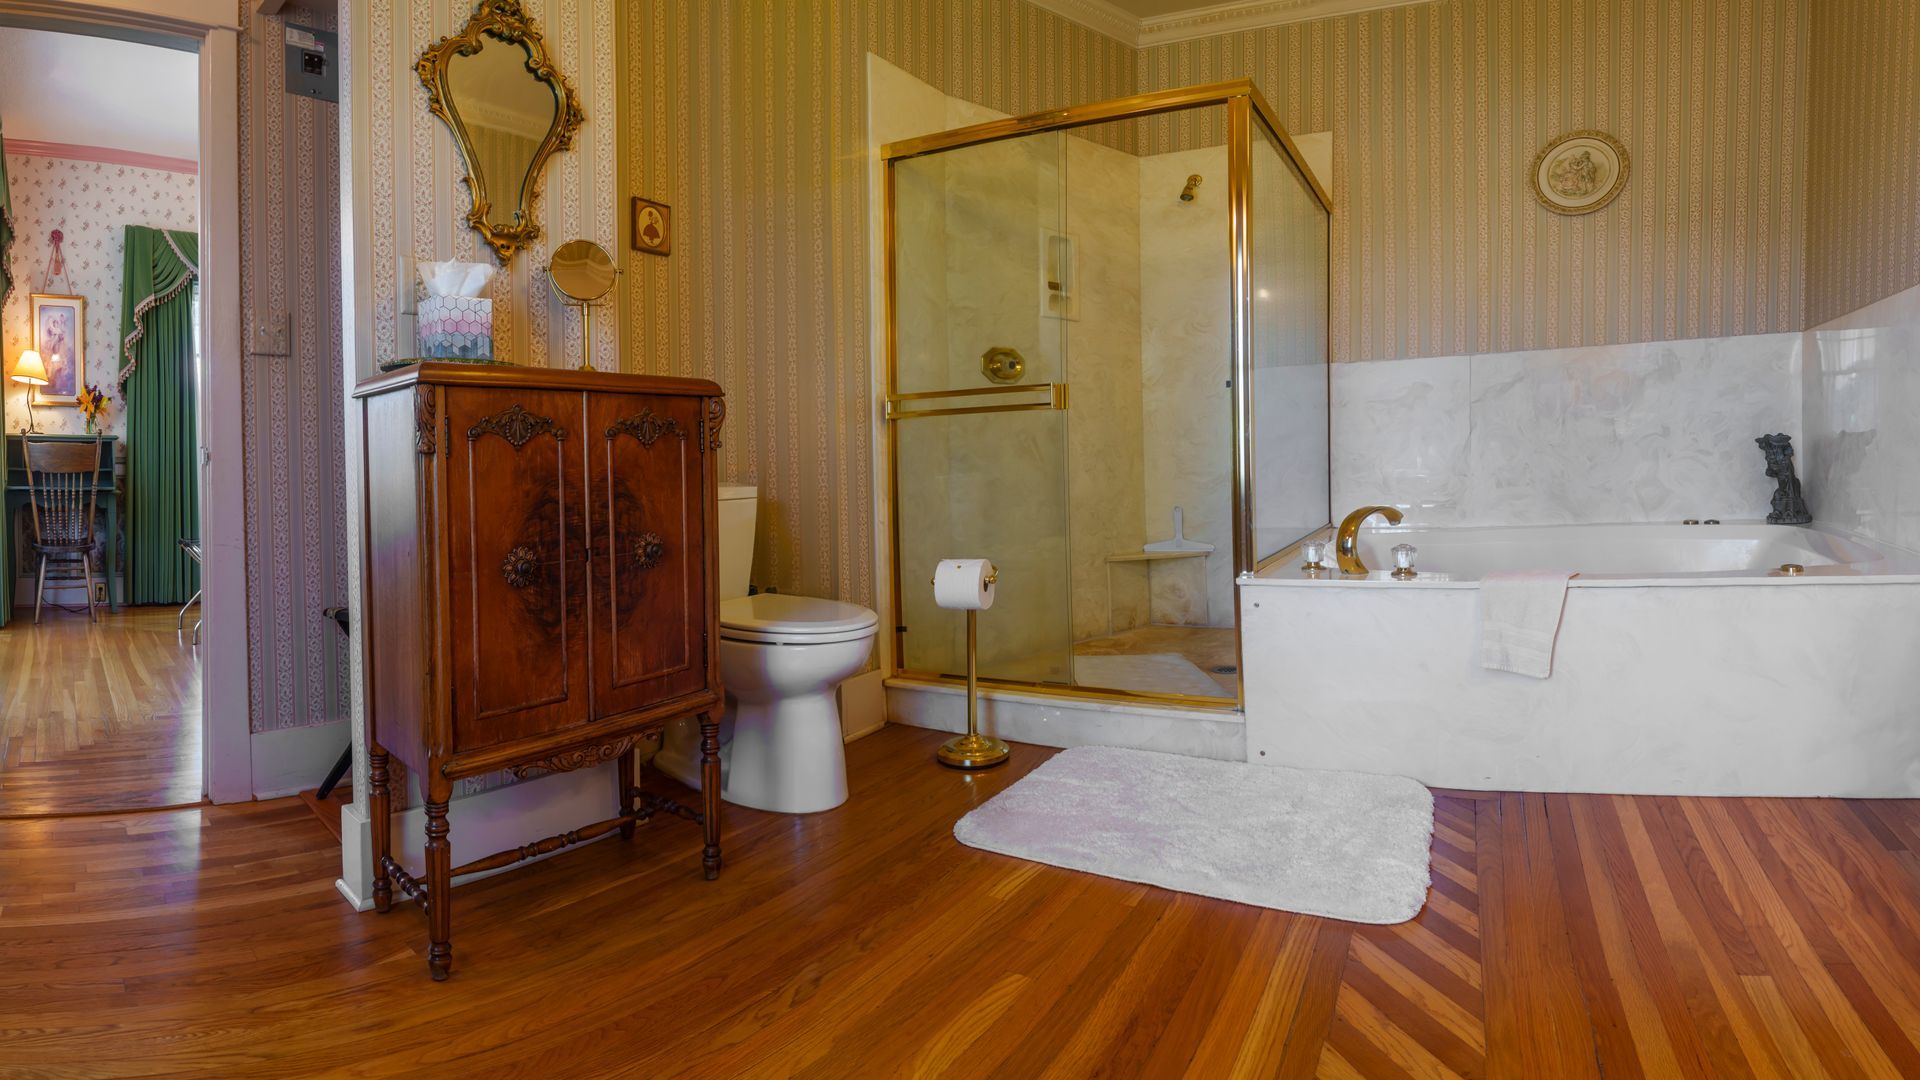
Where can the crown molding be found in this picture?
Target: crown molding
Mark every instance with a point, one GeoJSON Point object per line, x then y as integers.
{"type": "Point", "coordinates": [1098, 16]}
{"type": "Point", "coordinates": [1224, 18]}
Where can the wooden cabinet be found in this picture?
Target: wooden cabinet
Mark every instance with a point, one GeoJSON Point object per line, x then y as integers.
{"type": "Point", "coordinates": [540, 592]}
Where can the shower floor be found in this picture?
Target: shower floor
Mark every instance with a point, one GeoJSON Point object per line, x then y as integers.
{"type": "Point", "coordinates": [1205, 647]}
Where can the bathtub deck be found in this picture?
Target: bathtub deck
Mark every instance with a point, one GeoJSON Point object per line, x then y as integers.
{"type": "Point", "coordinates": [1565, 937]}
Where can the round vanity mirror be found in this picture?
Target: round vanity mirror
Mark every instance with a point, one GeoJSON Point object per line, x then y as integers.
{"type": "Point", "coordinates": [582, 271]}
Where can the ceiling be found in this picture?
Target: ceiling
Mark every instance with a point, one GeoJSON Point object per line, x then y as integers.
{"type": "Point", "coordinates": [87, 91]}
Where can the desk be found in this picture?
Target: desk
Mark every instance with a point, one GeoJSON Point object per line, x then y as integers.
{"type": "Point", "coordinates": [17, 494]}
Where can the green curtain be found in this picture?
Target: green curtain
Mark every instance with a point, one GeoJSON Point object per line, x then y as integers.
{"type": "Point", "coordinates": [157, 388]}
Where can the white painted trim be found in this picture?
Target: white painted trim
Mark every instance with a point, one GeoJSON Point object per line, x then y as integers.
{"type": "Point", "coordinates": [1214, 19]}
{"type": "Point", "coordinates": [293, 760]}
{"type": "Point", "coordinates": [478, 825]}
{"type": "Point", "coordinates": [356, 307]}
{"type": "Point", "coordinates": [226, 731]}
{"type": "Point", "coordinates": [169, 23]}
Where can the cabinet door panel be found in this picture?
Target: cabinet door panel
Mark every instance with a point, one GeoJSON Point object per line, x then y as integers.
{"type": "Point", "coordinates": [517, 559]}
{"type": "Point", "coordinates": [646, 474]}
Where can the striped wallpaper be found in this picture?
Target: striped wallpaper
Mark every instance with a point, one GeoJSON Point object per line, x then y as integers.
{"type": "Point", "coordinates": [1863, 154]}
{"type": "Point", "coordinates": [1437, 111]}
{"type": "Point", "coordinates": [750, 119]}
{"type": "Point", "coordinates": [292, 417]}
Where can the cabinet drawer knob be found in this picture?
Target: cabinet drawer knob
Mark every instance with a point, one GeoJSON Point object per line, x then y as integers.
{"type": "Point", "coordinates": [650, 550]}
{"type": "Point", "coordinates": [520, 567]}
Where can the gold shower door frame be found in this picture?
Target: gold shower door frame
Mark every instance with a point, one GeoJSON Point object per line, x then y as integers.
{"type": "Point", "coordinates": [1245, 107]}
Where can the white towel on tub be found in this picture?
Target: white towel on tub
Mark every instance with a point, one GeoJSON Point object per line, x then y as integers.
{"type": "Point", "coordinates": [1520, 618]}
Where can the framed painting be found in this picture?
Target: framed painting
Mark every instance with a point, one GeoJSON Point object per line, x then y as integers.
{"type": "Point", "coordinates": [652, 228]}
{"type": "Point", "coordinates": [60, 337]}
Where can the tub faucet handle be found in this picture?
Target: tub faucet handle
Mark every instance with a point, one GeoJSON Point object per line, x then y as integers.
{"type": "Point", "coordinates": [1313, 555]}
{"type": "Point", "coordinates": [1403, 556]}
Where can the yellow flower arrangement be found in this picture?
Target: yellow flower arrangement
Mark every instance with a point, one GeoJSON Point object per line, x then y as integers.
{"type": "Point", "coordinates": [93, 403]}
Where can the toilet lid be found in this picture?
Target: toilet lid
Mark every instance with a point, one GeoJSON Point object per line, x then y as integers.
{"type": "Point", "coordinates": [794, 618]}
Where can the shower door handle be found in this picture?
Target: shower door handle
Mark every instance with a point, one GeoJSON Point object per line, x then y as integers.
{"type": "Point", "coordinates": [1036, 397]}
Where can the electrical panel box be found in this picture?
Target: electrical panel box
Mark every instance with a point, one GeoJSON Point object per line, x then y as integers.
{"type": "Point", "coordinates": [313, 63]}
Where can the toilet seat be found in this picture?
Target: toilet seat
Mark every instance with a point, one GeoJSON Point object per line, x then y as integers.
{"type": "Point", "coordinates": [780, 619]}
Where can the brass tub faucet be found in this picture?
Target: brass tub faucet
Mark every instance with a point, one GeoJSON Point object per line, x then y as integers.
{"type": "Point", "coordinates": [1346, 547]}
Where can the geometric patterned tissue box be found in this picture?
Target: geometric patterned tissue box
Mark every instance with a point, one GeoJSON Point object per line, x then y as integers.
{"type": "Point", "coordinates": [455, 328]}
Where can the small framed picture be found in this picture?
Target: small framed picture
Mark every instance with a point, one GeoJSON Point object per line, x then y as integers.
{"type": "Point", "coordinates": [652, 227]}
{"type": "Point", "coordinates": [60, 337]}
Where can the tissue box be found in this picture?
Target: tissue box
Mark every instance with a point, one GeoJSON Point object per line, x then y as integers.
{"type": "Point", "coordinates": [454, 328]}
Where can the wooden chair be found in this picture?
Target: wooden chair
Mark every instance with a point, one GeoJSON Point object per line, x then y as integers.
{"type": "Point", "coordinates": [63, 478]}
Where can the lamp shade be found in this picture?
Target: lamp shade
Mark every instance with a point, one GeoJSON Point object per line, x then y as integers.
{"type": "Point", "coordinates": [30, 369]}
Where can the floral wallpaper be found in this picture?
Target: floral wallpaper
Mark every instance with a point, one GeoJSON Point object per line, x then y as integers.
{"type": "Point", "coordinates": [91, 203]}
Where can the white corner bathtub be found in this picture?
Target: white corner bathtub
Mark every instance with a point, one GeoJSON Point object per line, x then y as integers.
{"type": "Point", "coordinates": [1686, 663]}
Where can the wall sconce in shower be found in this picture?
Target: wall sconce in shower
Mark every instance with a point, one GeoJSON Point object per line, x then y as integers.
{"type": "Point", "coordinates": [1186, 193]}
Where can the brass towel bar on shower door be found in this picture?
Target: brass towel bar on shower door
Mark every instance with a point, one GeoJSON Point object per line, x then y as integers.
{"type": "Point", "coordinates": [900, 407]}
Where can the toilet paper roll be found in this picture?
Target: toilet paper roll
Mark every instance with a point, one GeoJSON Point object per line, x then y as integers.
{"type": "Point", "coordinates": [963, 584]}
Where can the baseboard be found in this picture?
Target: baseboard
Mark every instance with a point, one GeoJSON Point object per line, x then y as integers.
{"type": "Point", "coordinates": [479, 824]}
{"type": "Point", "coordinates": [1047, 720]}
{"type": "Point", "coordinates": [293, 760]}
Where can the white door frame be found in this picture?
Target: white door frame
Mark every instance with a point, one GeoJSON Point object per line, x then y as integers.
{"type": "Point", "coordinates": [210, 28]}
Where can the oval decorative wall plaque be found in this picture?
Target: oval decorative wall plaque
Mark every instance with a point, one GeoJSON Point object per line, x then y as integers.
{"type": "Point", "coordinates": [1580, 172]}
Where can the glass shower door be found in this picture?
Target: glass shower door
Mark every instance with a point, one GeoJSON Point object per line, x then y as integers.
{"type": "Point", "coordinates": [976, 402]}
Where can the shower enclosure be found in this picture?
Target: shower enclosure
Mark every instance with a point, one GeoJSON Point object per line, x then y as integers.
{"type": "Point", "coordinates": [1107, 371]}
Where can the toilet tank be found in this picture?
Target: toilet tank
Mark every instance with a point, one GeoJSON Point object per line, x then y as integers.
{"type": "Point", "coordinates": [738, 505]}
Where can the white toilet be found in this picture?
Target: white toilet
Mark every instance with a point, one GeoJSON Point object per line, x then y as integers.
{"type": "Point", "coordinates": [782, 659]}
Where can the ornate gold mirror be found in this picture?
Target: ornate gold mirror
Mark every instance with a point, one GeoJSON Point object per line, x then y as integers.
{"type": "Point", "coordinates": [509, 110]}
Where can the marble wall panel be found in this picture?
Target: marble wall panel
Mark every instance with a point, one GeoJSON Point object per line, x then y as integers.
{"type": "Point", "coordinates": [1645, 432]}
{"type": "Point", "coordinates": [1187, 440]}
{"type": "Point", "coordinates": [1860, 461]}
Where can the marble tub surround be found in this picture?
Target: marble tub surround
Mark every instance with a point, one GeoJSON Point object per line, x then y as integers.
{"type": "Point", "coordinates": [1860, 461]}
{"type": "Point", "coordinates": [1684, 664]}
{"type": "Point", "coordinates": [1654, 431]}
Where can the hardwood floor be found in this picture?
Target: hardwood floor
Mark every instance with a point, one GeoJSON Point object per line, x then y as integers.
{"type": "Point", "coordinates": [97, 717]}
{"type": "Point", "coordinates": [1566, 936]}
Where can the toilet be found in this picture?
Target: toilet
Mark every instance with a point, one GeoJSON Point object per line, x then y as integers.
{"type": "Point", "coordinates": [782, 660]}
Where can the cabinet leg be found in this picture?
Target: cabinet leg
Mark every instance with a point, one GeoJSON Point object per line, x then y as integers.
{"type": "Point", "coordinates": [710, 792]}
{"type": "Point", "coordinates": [439, 890]}
{"type": "Point", "coordinates": [625, 769]}
{"type": "Point", "coordinates": [380, 805]}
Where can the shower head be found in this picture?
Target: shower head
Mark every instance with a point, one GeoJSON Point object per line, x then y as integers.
{"type": "Point", "coordinates": [1186, 193]}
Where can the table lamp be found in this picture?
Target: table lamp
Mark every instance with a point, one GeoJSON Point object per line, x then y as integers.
{"type": "Point", "coordinates": [32, 371]}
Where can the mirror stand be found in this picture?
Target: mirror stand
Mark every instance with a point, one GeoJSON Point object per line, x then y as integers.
{"type": "Point", "coordinates": [582, 272]}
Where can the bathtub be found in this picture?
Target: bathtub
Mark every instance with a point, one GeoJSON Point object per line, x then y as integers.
{"type": "Point", "coordinates": [1687, 663]}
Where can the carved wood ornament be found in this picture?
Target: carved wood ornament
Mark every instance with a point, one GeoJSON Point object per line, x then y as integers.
{"type": "Point", "coordinates": [710, 424]}
{"type": "Point", "coordinates": [648, 427]}
{"type": "Point", "coordinates": [580, 757]}
{"type": "Point", "coordinates": [517, 426]}
{"type": "Point", "coordinates": [423, 408]}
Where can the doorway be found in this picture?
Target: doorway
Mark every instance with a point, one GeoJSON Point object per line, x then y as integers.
{"type": "Point", "coordinates": [115, 699]}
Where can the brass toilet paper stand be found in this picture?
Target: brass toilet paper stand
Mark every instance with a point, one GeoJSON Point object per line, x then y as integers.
{"type": "Point", "coordinates": [974, 750]}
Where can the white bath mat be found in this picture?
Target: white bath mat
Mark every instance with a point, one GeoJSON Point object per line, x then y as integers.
{"type": "Point", "coordinates": [1343, 845]}
{"type": "Point", "coordinates": [1150, 673]}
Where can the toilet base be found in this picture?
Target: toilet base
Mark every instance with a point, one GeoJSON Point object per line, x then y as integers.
{"type": "Point", "coordinates": [787, 756]}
